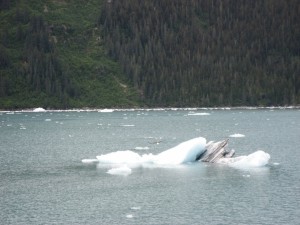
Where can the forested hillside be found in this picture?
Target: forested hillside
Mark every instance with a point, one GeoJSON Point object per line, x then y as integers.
{"type": "Point", "coordinates": [51, 55]}
{"type": "Point", "coordinates": [207, 52]}
{"type": "Point", "coordinates": [114, 53]}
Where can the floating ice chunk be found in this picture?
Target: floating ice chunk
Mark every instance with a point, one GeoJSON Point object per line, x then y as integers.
{"type": "Point", "coordinates": [256, 159]}
{"type": "Point", "coordinates": [39, 110]}
{"type": "Point", "coordinates": [135, 208]}
{"type": "Point", "coordinates": [127, 125]}
{"type": "Point", "coordinates": [89, 161]}
{"type": "Point", "coordinates": [129, 216]}
{"type": "Point", "coordinates": [47, 120]}
{"type": "Point", "coordinates": [106, 110]}
{"type": "Point", "coordinates": [141, 148]}
{"type": "Point", "coordinates": [123, 170]}
{"type": "Point", "coordinates": [198, 114]}
{"type": "Point", "coordinates": [120, 157]}
{"type": "Point", "coordinates": [237, 135]}
{"type": "Point", "coordinates": [185, 152]}
{"type": "Point", "coordinates": [246, 175]}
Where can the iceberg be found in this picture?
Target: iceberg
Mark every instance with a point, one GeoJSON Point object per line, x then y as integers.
{"type": "Point", "coordinates": [39, 110]}
{"type": "Point", "coordinates": [187, 151]}
{"type": "Point", "coordinates": [196, 149]}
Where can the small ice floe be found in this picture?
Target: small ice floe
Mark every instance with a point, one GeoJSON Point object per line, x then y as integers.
{"type": "Point", "coordinates": [246, 175]}
{"type": "Point", "coordinates": [123, 171]}
{"type": "Point", "coordinates": [106, 110]}
{"type": "Point", "coordinates": [39, 110]}
{"type": "Point", "coordinates": [89, 161]}
{"type": "Point", "coordinates": [141, 148]}
{"type": "Point", "coordinates": [127, 125]}
{"type": "Point", "coordinates": [237, 135]}
{"type": "Point", "coordinates": [129, 216]}
{"type": "Point", "coordinates": [135, 208]}
{"type": "Point", "coordinates": [198, 114]}
{"type": "Point", "coordinates": [47, 120]}
{"type": "Point", "coordinates": [276, 163]}
{"type": "Point", "coordinates": [254, 160]}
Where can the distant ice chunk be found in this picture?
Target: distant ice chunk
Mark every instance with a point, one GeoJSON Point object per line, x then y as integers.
{"type": "Point", "coordinates": [47, 120]}
{"type": "Point", "coordinates": [129, 216]}
{"type": "Point", "coordinates": [123, 170]}
{"type": "Point", "coordinates": [237, 135]}
{"type": "Point", "coordinates": [39, 110]}
{"type": "Point", "coordinates": [106, 110]}
{"type": "Point", "coordinates": [141, 148]}
{"type": "Point", "coordinates": [198, 114]}
{"type": "Point", "coordinates": [246, 175]}
{"type": "Point", "coordinates": [89, 161]}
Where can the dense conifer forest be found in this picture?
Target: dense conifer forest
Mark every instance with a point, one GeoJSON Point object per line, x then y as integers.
{"type": "Point", "coordinates": [52, 56]}
{"type": "Point", "coordinates": [113, 53]}
{"type": "Point", "coordinates": [207, 52]}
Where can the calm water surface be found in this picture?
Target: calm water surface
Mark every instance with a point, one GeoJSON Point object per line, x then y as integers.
{"type": "Point", "coordinates": [43, 181]}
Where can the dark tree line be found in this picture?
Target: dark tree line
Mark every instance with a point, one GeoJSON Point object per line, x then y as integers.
{"type": "Point", "coordinates": [40, 65]}
{"type": "Point", "coordinates": [39, 69]}
{"type": "Point", "coordinates": [207, 52]}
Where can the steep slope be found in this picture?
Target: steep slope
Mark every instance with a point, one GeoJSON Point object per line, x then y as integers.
{"type": "Point", "coordinates": [51, 55]}
{"type": "Point", "coordinates": [113, 53]}
{"type": "Point", "coordinates": [208, 52]}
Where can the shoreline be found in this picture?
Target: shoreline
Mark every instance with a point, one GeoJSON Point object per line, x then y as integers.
{"type": "Point", "coordinates": [109, 110]}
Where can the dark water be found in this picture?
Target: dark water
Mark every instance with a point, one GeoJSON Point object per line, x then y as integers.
{"type": "Point", "coordinates": [43, 181]}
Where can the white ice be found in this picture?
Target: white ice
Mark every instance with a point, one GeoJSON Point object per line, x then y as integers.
{"type": "Point", "coordinates": [186, 152]}
{"type": "Point", "coordinates": [141, 148]}
{"type": "Point", "coordinates": [237, 135]}
{"type": "Point", "coordinates": [89, 161]}
{"type": "Point", "coordinates": [254, 160]}
{"type": "Point", "coordinates": [122, 170]}
{"type": "Point", "coordinates": [39, 110]}
{"type": "Point", "coordinates": [198, 114]}
{"type": "Point", "coordinates": [120, 157]}
{"type": "Point", "coordinates": [106, 110]}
